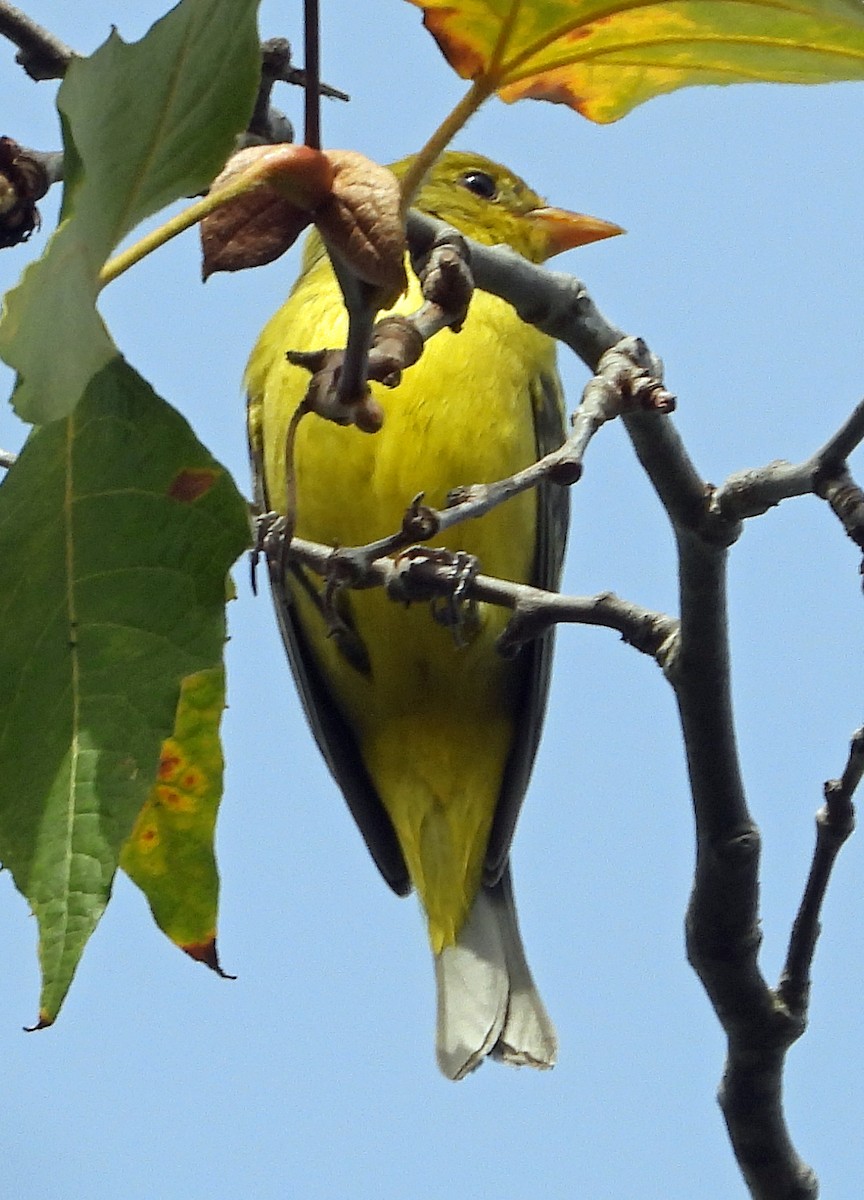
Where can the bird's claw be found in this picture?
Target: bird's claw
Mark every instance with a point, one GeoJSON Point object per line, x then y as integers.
{"type": "Point", "coordinates": [272, 538]}
{"type": "Point", "coordinates": [443, 577]}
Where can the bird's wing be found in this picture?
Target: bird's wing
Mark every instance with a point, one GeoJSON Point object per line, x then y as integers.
{"type": "Point", "coordinates": [553, 519]}
{"type": "Point", "coordinates": [335, 739]}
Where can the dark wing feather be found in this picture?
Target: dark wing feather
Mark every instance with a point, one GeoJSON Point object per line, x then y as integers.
{"type": "Point", "coordinates": [334, 737]}
{"type": "Point", "coordinates": [535, 659]}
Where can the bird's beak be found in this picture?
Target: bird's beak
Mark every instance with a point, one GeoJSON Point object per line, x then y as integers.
{"type": "Point", "coordinates": [562, 230]}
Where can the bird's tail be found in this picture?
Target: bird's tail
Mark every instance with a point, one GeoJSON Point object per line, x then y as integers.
{"type": "Point", "coordinates": [487, 1001]}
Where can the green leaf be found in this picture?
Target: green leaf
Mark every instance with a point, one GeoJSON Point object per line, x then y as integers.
{"type": "Point", "coordinates": [51, 331]}
{"type": "Point", "coordinates": [604, 60]}
{"type": "Point", "coordinates": [117, 529]}
{"type": "Point", "coordinates": [170, 853]}
{"type": "Point", "coordinates": [143, 124]}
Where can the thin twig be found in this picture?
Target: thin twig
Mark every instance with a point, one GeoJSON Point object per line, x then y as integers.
{"type": "Point", "coordinates": [7, 459]}
{"type": "Point", "coordinates": [420, 579]}
{"type": "Point", "coordinates": [835, 822]}
{"type": "Point", "coordinates": [620, 385]}
{"type": "Point", "coordinates": [312, 65]}
{"type": "Point", "coordinates": [847, 438]}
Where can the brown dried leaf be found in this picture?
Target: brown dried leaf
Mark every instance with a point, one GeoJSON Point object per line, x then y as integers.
{"type": "Point", "coordinates": [250, 231]}
{"type": "Point", "coordinates": [360, 221]}
{"type": "Point", "coordinates": [285, 184]}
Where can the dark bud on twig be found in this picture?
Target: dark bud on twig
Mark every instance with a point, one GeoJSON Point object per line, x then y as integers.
{"type": "Point", "coordinates": [630, 378]}
{"type": "Point", "coordinates": [23, 181]}
{"type": "Point", "coordinates": [420, 522]}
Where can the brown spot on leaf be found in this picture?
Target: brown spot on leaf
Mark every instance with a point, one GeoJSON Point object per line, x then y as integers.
{"type": "Point", "coordinates": [546, 87]}
{"type": "Point", "coordinates": [169, 797]}
{"type": "Point", "coordinates": [168, 764]}
{"type": "Point", "coordinates": [205, 952]}
{"type": "Point", "coordinates": [191, 483]}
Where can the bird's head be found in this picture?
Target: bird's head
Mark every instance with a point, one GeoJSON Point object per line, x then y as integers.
{"type": "Point", "coordinates": [493, 206]}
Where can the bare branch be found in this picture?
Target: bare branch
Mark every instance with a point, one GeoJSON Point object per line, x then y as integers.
{"type": "Point", "coordinates": [268, 124]}
{"type": "Point", "coordinates": [7, 459]}
{"type": "Point", "coordinates": [649, 632]}
{"type": "Point", "coordinates": [723, 932]}
{"type": "Point", "coordinates": [751, 493]}
{"type": "Point", "coordinates": [621, 385]}
{"type": "Point", "coordinates": [40, 53]}
{"type": "Point", "coordinates": [429, 575]}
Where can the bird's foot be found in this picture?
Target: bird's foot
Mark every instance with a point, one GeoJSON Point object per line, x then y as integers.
{"type": "Point", "coordinates": [443, 577]}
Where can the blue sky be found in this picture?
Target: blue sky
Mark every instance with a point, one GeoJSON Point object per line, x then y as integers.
{"type": "Point", "coordinates": [313, 1074]}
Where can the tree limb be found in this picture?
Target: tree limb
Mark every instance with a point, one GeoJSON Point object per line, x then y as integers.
{"type": "Point", "coordinates": [723, 932]}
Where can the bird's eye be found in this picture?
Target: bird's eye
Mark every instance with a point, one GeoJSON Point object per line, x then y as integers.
{"type": "Point", "coordinates": [480, 184]}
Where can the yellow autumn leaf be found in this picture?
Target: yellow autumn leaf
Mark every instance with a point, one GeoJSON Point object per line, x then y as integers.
{"type": "Point", "coordinates": [169, 853]}
{"type": "Point", "coordinates": [603, 59]}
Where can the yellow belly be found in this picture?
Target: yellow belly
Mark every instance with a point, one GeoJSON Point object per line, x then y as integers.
{"type": "Point", "coordinates": [433, 719]}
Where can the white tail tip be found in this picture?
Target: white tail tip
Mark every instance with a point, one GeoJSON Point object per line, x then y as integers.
{"type": "Point", "coordinates": [487, 1001]}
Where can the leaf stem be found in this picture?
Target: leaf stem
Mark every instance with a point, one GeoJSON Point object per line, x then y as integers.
{"type": "Point", "coordinates": [480, 90]}
{"type": "Point", "coordinates": [177, 224]}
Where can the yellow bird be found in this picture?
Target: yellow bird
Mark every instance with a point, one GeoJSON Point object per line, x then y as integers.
{"type": "Point", "coordinates": [432, 738]}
